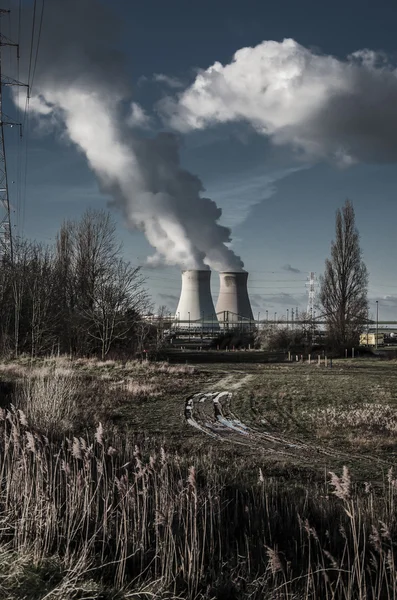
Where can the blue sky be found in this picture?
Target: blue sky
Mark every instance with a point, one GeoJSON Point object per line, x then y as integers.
{"type": "Point", "coordinates": [281, 209]}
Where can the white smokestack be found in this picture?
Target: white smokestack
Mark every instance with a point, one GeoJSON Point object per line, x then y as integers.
{"type": "Point", "coordinates": [233, 301]}
{"type": "Point", "coordinates": [195, 303]}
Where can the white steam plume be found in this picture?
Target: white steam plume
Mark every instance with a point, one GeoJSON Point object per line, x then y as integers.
{"type": "Point", "coordinates": [84, 92]}
{"type": "Point", "coordinates": [323, 107]}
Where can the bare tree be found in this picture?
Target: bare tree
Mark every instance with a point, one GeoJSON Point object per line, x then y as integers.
{"type": "Point", "coordinates": [163, 321]}
{"type": "Point", "coordinates": [18, 276]}
{"type": "Point", "coordinates": [6, 306]}
{"type": "Point", "coordinates": [65, 297]}
{"type": "Point", "coordinates": [142, 335]}
{"type": "Point", "coordinates": [117, 302]}
{"type": "Point", "coordinates": [95, 251]}
{"type": "Point", "coordinates": [40, 287]}
{"type": "Point", "coordinates": [343, 293]}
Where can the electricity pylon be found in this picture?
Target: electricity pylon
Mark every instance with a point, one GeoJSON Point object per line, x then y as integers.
{"type": "Point", "coordinates": [311, 294]}
{"type": "Point", "coordinates": [6, 242]}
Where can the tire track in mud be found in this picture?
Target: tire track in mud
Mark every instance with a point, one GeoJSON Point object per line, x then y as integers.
{"type": "Point", "coordinates": [211, 413]}
{"type": "Point", "coordinates": [223, 425]}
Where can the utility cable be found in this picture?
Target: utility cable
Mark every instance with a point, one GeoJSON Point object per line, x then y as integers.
{"type": "Point", "coordinates": [32, 40]}
{"type": "Point", "coordinates": [37, 44]}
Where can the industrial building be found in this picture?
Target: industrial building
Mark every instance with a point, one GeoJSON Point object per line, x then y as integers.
{"type": "Point", "coordinates": [372, 339]}
{"type": "Point", "coordinates": [196, 312]}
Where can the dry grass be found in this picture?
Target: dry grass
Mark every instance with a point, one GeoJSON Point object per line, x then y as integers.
{"type": "Point", "coordinates": [49, 399]}
{"type": "Point", "coordinates": [137, 388]}
{"type": "Point", "coordinates": [365, 416]}
{"type": "Point", "coordinates": [76, 394]}
{"type": "Point", "coordinates": [351, 407]}
{"type": "Point", "coordinates": [142, 389]}
{"type": "Point", "coordinates": [108, 368]}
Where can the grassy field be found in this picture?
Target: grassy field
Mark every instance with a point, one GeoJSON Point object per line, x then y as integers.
{"type": "Point", "coordinates": [151, 480]}
{"type": "Point", "coordinates": [339, 415]}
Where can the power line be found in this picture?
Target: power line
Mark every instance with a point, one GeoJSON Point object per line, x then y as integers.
{"type": "Point", "coordinates": [38, 44]}
{"type": "Point", "coordinates": [19, 118]}
{"type": "Point", "coordinates": [32, 40]}
{"type": "Point", "coordinates": [26, 117]}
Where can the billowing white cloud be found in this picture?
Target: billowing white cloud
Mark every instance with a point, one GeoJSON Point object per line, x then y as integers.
{"type": "Point", "coordinates": [323, 107]}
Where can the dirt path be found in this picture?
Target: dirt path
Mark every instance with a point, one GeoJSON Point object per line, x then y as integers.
{"type": "Point", "coordinates": [229, 381]}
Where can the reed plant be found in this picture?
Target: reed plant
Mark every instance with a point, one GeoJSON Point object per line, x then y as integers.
{"type": "Point", "coordinates": [48, 398]}
{"type": "Point", "coordinates": [130, 518]}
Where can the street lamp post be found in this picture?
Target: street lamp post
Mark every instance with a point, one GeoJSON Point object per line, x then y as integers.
{"type": "Point", "coordinates": [258, 319]}
{"type": "Point", "coordinates": [267, 315]}
{"type": "Point", "coordinates": [287, 317]}
{"type": "Point", "coordinates": [275, 319]}
{"type": "Point", "coordinates": [189, 325]}
{"type": "Point", "coordinates": [377, 322]}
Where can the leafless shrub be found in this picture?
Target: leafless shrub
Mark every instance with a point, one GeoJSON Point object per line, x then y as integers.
{"type": "Point", "coordinates": [49, 399]}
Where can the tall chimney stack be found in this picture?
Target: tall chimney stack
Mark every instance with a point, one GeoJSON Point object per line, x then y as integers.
{"type": "Point", "coordinates": [195, 305]}
{"type": "Point", "coordinates": [233, 302]}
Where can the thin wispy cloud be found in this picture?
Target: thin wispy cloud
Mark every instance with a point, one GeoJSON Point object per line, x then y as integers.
{"type": "Point", "coordinates": [172, 82]}
{"type": "Point", "coordinates": [291, 269]}
{"type": "Point", "coordinates": [165, 80]}
{"type": "Point", "coordinates": [389, 300]}
{"type": "Point", "coordinates": [277, 299]}
{"type": "Point", "coordinates": [239, 195]}
{"type": "Point", "coordinates": [138, 117]}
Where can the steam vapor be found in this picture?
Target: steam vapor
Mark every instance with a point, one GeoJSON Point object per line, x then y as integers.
{"type": "Point", "coordinates": [81, 88]}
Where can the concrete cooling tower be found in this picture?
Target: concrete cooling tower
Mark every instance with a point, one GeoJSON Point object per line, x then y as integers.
{"type": "Point", "coordinates": [233, 302]}
{"type": "Point", "coordinates": [195, 306]}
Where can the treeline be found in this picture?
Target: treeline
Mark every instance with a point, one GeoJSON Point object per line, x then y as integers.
{"type": "Point", "coordinates": [78, 296]}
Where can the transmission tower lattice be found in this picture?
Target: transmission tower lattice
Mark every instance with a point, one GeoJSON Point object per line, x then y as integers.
{"type": "Point", "coordinates": [312, 281]}
{"type": "Point", "coordinates": [6, 245]}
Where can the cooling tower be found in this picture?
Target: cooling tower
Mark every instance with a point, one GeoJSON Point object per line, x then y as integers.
{"type": "Point", "coordinates": [196, 308]}
{"type": "Point", "coordinates": [233, 303]}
